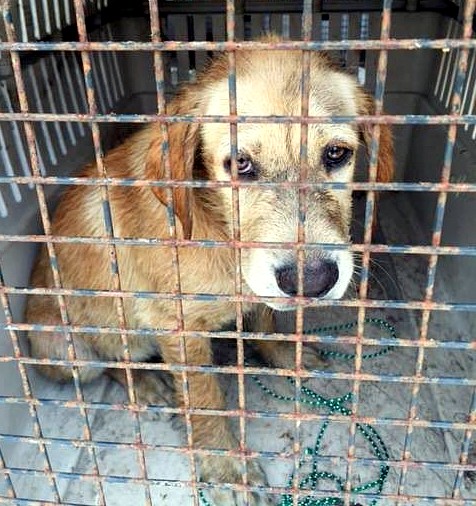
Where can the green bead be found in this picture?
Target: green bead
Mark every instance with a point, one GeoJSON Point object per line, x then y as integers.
{"type": "Point", "coordinates": [334, 405]}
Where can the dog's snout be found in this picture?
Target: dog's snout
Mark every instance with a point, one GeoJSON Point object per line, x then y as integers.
{"type": "Point", "coordinates": [319, 278]}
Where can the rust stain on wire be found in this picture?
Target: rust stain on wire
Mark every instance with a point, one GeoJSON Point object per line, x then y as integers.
{"type": "Point", "coordinates": [164, 183]}
{"type": "Point", "coordinates": [203, 243]}
{"type": "Point", "coordinates": [292, 301]}
{"type": "Point", "coordinates": [44, 214]}
{"type": "Point", "coordinates": [307, 338]}
{"type": "Point", "coordinates": [107, 219]}
{"type": "Point", "coordinates": [161, 109]}
{"type": "Point", "coordinates": [236, 234]}
{"type": "Point", "coordinates": [328, 45]}
{"type": "Point", "coordinates": [368, 229]}
{"type": "Point", "coordinates": [229, 413]}
{"type": "Point", "coordinates": [394, 119]}
{"type": "Point", "coordinates": [250, 455]}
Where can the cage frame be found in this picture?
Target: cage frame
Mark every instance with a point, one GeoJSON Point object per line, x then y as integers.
{"type": "Point", "coordinates": [442, 188]}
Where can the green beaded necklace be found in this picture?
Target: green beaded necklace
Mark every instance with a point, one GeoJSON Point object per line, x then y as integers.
{"type": "Point", "coordinates": [333, 405]}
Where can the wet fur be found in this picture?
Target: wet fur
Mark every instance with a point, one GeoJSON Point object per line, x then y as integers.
{"type": "Point", "coordinates": [197, 152]}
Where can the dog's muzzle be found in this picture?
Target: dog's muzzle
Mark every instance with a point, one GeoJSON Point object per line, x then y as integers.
{"type": "Point", "coordinates": [319, 277]}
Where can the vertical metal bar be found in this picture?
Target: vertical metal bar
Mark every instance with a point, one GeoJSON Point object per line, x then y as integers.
{"type": "Point", "coordinates": [368, 221]}
{"type": "Point", "coordinates": [469, 8]}
{"type": "Point", "coordinates": [37, 432]}
{"type": "Point", "coordinates": [235, 195]}
{"type": "Point", "coordinates": [108, 225]}
{"type": "Point", "coordinates": [92, 106]}
{"type": "Point", "coordinates": [80, 82]}
{"type": "Point", "coordinates": [99, 89]}
{"type": "Point", "coordinates": [53, 260]}
{"type": "Point", "coordinates": [449, 92]}
{"type": "Point", "coordinates": [35, 164]}
{"type": "Point", "coordinates": [467, 439]}
{"type": "Point", "coordinates": [306, 33]}
{"type": "Point", "coordinates": [161, 109]}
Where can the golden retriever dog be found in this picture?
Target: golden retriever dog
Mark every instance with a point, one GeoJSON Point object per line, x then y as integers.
{"type": "Point", "coordinates": [268, 83]}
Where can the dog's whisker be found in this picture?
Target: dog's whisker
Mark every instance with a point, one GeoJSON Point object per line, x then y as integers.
{"type": "Point", "coordinates": [389, 277]}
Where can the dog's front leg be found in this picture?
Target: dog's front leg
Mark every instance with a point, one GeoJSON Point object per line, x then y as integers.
{"type": "Point", "coordinates": [281, 353]}
{"type": "Point", "coordinates": [211, 431]}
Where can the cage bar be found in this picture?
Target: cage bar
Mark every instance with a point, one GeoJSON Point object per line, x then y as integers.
{"type": "Point", "coordinates": [161, 109]}
{"type": "Point", "coordinates": [34, 159]}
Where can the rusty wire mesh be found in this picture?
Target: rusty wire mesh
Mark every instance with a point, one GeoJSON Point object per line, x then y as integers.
{"type": "Point", "coordinates": [445, 186]}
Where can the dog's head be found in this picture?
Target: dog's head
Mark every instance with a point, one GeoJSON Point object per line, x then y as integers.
{"type": "Point", "coordinates": [269, 84]}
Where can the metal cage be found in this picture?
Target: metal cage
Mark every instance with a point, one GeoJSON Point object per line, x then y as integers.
{"type": "Point", "coordinates": [394, 422]}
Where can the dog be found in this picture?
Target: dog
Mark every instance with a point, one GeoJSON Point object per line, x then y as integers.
{"type": "Point", "coordinates": [268, 83]}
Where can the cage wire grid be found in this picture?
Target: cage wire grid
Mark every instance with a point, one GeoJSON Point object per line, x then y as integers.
{"type": "Point", "coordinates": [240, 370]}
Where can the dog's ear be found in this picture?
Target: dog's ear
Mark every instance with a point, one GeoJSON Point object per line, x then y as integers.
{"type": "Point", "coordinates": [385, 161]}
{"type": "Point", "coordinates": [183, 140]}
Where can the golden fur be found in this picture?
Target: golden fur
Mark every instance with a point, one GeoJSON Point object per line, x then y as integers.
{"type": "Point", "coordinates": [268, 83]}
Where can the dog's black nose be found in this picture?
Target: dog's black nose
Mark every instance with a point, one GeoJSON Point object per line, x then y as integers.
{"type": "Point", "coordinates": [319, 277]}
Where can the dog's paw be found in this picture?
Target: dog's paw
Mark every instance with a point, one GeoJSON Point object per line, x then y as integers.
{"type": "Point", "coordinates": [312, 359]}
{"type": "Point", "coordinates": [153, 389]}
{"type": "Point", "coordinates": [284, 355]}
{"type": "Point", "coordinates": [229, 470]}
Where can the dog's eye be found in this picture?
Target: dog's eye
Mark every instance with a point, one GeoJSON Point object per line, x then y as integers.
{"type": "Point", "coordinates": [244, 165]}
{"type": "Point", "coordinates": [335, 156]}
